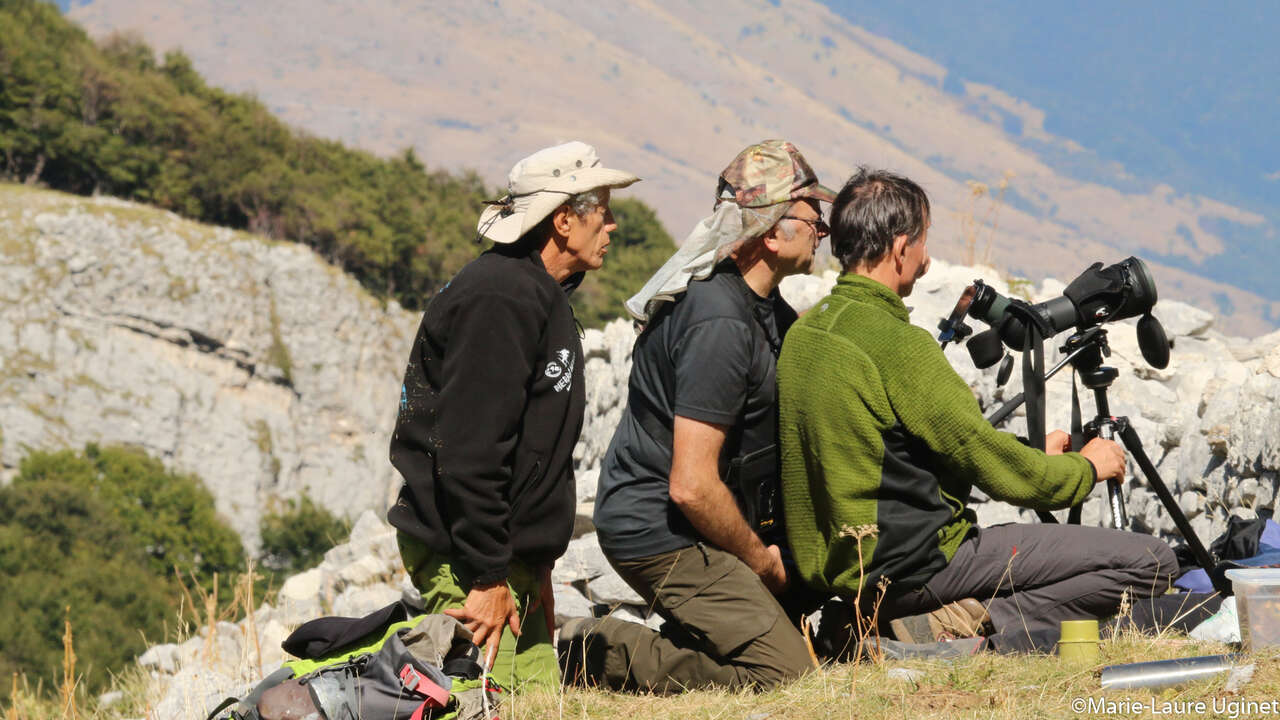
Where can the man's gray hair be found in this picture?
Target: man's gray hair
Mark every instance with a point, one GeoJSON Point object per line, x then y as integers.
{"type": "Point", "coordinates": [585, 203]}
{"type": "Point", "coordinates": [582, 205]}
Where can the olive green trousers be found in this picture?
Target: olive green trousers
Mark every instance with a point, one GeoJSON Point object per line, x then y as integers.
{"type": "Point", "coordinates": [723, 628]}
{"type": "Point", "coordinates": [525, 661]}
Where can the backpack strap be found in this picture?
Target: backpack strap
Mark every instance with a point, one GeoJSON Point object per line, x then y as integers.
{"type": "Point", "coordinates": [247, 706]}
{"type": "Point", "coordinates": [234, 713]}
{"type": "Point", "coordinates": [423, 685]}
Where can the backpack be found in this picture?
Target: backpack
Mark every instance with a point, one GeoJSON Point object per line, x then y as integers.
{"type": "Point", "coordinates": [380, 667]}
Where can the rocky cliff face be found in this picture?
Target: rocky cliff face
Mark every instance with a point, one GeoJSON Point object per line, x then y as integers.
{"type": "Point", "coordinates": [255, 365]}
{"type": "Point", "coordinates": [268, 373]}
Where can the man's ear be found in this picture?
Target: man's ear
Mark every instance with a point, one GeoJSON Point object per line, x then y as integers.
{"type": "Point", "coordinates": [560, 220]}
{"type": "Point", "coordinates": [900, 243]}
{"type": "Point", "coordinates": [772, 239]}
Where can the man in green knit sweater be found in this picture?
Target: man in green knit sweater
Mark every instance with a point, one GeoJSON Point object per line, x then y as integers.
{"type": "Point", "coordinates": [882, 442]}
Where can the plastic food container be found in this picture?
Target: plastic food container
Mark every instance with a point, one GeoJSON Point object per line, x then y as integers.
{"type": "Point", "coordinates": [1258, 605]}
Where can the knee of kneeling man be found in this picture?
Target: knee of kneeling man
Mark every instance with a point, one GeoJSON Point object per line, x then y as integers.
{"type": "Point", "coordinates": [771, 677]}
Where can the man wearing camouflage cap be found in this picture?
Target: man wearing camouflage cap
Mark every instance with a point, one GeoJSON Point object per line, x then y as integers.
{"type": "Point", "coordinates": [686, 509]}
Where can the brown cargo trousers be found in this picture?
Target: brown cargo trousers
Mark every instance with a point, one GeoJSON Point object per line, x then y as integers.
{"type": "Point", "coordinates": [723, 628]}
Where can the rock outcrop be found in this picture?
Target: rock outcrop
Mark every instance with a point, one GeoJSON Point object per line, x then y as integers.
{"type": "Point", "coordinates": [256, 365]}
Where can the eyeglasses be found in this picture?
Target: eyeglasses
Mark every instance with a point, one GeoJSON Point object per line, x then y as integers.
{"type": "Point", "coordinates": [819, 227]}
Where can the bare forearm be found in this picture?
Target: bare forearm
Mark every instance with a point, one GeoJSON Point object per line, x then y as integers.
{"type": "Point", "coordinates": [714, 513]}
{"type": "Point", "coordinates": [696, 489]}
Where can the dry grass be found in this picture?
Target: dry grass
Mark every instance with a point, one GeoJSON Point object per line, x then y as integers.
{"type": "Point", "coordinates": [1012, 687]}
{"type": "Point", "coordinates": [982, 211]}
{"type": "Point", "coordinates": [984, 686]}
{"type": "Point", "coordinates": [133, 690]}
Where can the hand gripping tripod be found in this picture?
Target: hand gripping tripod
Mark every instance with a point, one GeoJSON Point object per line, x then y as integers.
{"type": "Point", "coordinates": [1085, 352]}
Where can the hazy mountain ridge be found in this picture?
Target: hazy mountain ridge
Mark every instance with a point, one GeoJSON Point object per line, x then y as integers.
{"type": "Point", "coordinates": [1177, 82]}
{"type": "Point", "coordinates": [672, 90]}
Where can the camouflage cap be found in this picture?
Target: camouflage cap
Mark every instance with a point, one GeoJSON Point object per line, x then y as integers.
{"type": "Point", "coordinates": [768, 173]}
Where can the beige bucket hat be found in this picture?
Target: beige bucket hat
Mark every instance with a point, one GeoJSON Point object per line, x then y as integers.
{"type": "Point", "coordinates": [542, 182]}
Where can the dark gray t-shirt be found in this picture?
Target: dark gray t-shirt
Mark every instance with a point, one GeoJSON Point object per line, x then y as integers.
{"type": "Point", "coordinates": [711, 356]}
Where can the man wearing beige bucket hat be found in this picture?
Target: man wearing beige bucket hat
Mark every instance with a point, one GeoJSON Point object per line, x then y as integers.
{"type": "Point", "coordinates": [491, 408]}
{"type": "Point", "coordinates": [686, 510]}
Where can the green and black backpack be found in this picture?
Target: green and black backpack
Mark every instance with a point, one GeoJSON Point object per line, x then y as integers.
{"type": "Point", "coordinates": [390, 665]}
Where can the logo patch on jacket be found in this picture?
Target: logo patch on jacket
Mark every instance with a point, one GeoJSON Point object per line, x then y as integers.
{"type": "Point", "coordinates": [562, 368]}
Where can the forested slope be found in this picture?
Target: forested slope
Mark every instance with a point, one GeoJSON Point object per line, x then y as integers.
{"type": "Point", "coordinates": [111, 119]}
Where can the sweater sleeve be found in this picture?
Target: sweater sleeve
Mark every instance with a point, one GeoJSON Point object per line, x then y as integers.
{"type": "Point", "coordinates": [934, 404]}
{"type": "Point", "coordinates": [490, 356]}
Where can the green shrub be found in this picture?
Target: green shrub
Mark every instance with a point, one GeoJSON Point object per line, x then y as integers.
{"type": "Point", "coordinates": [296, 536]}
{"type": "Point", "coordinates": [170, 515]}
{"type": "Point", "coordinates": [636, 250]}
{"type": "Point", "coordinates": [94, 537]}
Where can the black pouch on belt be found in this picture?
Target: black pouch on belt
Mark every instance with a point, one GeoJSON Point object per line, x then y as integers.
{"type": "Point", "coordinates": [753, 479]}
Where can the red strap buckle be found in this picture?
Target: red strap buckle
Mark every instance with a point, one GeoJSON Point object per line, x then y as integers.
{"type": "Point", "coordinates": [437, 697]}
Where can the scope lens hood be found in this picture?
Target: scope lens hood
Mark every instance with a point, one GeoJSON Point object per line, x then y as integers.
{"type": "Point", "coordinates": [1118, 292]}
{"type": "Point", "coordinates": [1153, 342]}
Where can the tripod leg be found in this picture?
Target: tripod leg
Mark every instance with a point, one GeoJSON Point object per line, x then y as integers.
{"type": "Point", "coordinates": [1119, 518]}
{"type": "Point", "coordinates": [1134, 445]}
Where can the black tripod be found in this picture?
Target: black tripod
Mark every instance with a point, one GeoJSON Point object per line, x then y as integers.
{"type": "Point", "coordinates": [1085, 352]}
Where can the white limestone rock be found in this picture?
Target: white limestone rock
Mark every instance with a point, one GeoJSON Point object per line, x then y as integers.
{"type": "Point", "coordinates": [587, 481]}
{"type": "Point", "coordinates": [1182, 320]}
{"type": "Point", "coordinates": [636, 615]}
{"type": "Point", "coordinates": [193, 692]}
{"type": "Point", "coordinates": [583, 561]}
{"type": "Point", "coordinates": [161, 658]}
{"type": "Point", "coordinates": [570, 603]}
{"type": "Point", "coordinates": [203, 346]}
{"type": "Point", "coordinates": [611, 589]}
{"type": "Point", "coordinates": [360, 601]}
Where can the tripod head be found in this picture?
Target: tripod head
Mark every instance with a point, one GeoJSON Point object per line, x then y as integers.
{"type": "Point", "coordinates": [1085, 352]}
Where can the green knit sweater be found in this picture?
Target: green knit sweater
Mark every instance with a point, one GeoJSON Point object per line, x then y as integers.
{"type": "Point", "coordinates": [876, 428]}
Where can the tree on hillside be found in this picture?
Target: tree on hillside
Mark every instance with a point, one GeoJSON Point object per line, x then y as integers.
{"type": "Point", "coordinates": [40, 93]}
{"type": "Point", "coordinates": [101, 537]}
{"type": "Point", "coordinates": [62, 557]}
{"type": "Point", "coordinates": [112, 119]}
{"type": "Point", "coordinates": [95, 538]}
{"type": "Point", "coordinates": [636, 250]}
{"type": "Point", "coordinates": [171, 515]}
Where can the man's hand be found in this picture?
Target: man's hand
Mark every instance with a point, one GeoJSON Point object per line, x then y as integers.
{"type": "Point", "coordinates": [547, 598]}
{"type": "Point", "coordinates": [486, 610]}
{"type": "Point", "coordinates": [1107, 458]}
{"type": "Point", "coordinates": [773, 573]}
{"type": "Point", "coordinates": [1057, 442]}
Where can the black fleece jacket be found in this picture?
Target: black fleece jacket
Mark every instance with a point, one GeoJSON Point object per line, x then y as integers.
{"type": "Point", "coordinates": [490, 411]}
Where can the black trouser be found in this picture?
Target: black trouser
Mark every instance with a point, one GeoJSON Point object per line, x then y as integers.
{"type": "Point", "coordinates": [1031, 577]}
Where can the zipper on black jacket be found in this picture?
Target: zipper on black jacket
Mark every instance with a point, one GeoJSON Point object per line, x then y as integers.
{"type": "Point", "coordinates": [522, 491]}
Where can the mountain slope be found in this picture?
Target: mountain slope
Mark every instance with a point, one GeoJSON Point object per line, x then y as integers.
{"type": "Point", "coordinates": [254, 364]}
{"type": "Point", "coordinates": [672, 90]}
